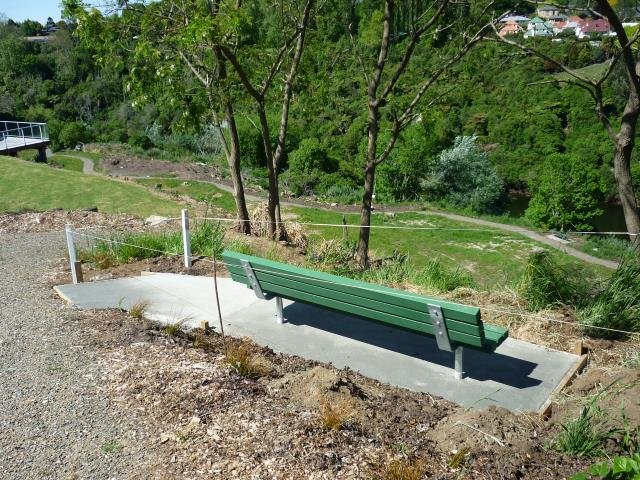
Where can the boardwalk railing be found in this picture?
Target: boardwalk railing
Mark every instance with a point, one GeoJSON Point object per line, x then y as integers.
{"type": "Point", "coordinates": [21, 134]}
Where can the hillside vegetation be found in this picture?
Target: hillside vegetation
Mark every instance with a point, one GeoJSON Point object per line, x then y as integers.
{"type": "Point", "coordinates": [511, 121]}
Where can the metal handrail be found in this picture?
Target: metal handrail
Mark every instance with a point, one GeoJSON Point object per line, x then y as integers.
{"type": "Point", "coordinates": [23, 130]}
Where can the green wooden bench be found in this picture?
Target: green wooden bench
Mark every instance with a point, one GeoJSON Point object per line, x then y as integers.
{"type": "Point", "coordinates": [453, 325]}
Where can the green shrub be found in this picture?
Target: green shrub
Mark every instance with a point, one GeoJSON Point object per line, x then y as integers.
{"type": "Point", "coordinates": [71, 134]}
{"type": "Point", "coordinates": [464, 177]}
{"type": "Point", "coordinates": [438, 277]}
{"type": "Point", "coordinates": [546, 283]}
{"type": "Point", "coordinates": [618, 305]}
{"type": "Point", "coordinates": [141, 141]}
{"type": "Point", "coordinates": [566, 193]}
{"type": "Point", "coordinates": [619, 468]}
{"type": "Point", "coordinates": [342, 194]}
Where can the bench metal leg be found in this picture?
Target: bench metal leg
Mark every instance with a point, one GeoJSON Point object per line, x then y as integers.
{"type": "Point", "coordinates": [458, 362]}
{"type": "Point", "coordinates": [279, 313]}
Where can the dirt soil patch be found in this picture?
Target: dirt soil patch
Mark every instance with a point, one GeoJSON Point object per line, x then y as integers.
{"type": "Point", "coordinates": [55, 220]}
{"type": "Point", "coordinates": [210, 421]}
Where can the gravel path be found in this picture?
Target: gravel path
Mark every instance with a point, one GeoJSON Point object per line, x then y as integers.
{"type": "Point", "coordinates": [53, 423]}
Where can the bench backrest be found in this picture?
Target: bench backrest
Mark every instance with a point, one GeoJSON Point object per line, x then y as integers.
{"type": "Point", "coordinates": [374, 302]}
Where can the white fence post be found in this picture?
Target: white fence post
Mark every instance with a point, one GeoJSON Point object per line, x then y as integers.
{"type": "Point", "coordinates": [72, 252]}
{"type": "Point", "coordinates": [186, 239]}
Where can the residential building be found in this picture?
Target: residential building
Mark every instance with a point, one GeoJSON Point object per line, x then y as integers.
{"type": "Point", "coordinates": [588, 27]}
{"type": "Point", "coordinates": [511, 28]}
{"type": "Point", "coordinates": [538, 27]}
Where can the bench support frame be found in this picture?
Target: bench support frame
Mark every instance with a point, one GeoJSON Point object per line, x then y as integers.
{"type": "Point", "coordinates": [442, 338]}
{"type": "Point", "coordinates": [257, 289]}
{"type": "Point", "coordinates": [459, 354]}
{"type": "Point", "coordinates": [253, 280]}
{"type": "Point", "coordinates": [439, 328]}
{"type": "Point", "coordinates": [279, 313]}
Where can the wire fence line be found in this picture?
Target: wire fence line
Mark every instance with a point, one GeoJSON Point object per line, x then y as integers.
{"type": "Point", "coordinates": [512, 229]}
{"type": "Point", "coordinates": [536, 317]}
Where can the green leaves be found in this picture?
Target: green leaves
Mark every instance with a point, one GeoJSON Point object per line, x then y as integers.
{"type": "Point", "coordinates": [620, 468]}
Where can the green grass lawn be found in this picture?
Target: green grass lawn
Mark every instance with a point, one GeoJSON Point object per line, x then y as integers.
{"type": "Point", "coordinates": [96, 158]}
{"type": "Point", "coordinates": [200, 191]}
{"type": "Point", "coordinates": [29, 186]}
{"type": "Point", "coordinates": [66, 163]}
{"type": "Point", "coordinates": [494, 258]}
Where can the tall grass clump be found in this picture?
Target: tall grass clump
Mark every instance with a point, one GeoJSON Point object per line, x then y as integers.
{"type": "Point", "coordinates": [392, 271]}
{"type": "Point", "coordinates": [134, 246]}
{"type": "Point", "coordinates": [547, 283]}
{"type": "Point", "coordinates": [436, 276]}
{"type": "Point", "coordinates": [618, 305]}
{"type": "Point", "coordinates": [584, 436]}
{"type": "Point", "coordinates": [611, 248]}
{"type": "Point", "coordinates": [334, 256]}
{"type": "Point", "coordinates": [207, 239]}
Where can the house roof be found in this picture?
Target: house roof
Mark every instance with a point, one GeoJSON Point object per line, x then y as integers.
{"type": "Point", "coordinates": [514, 18]}
{"type": "Point", "coordinates": [595, 26]}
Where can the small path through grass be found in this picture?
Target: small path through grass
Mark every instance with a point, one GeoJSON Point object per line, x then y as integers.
{"type": "Point", "coordinates": [532, 235]}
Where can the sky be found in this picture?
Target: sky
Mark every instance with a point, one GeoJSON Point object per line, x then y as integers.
{"type": "Point", "coordinates": [39, 10]}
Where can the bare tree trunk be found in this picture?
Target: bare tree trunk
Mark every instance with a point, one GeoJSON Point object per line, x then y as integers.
{"type": "Point", "coordinates": [275, 220]}
{"type": "Point", "coordinates": [234, 166]}
{"type": "Point", "coordinates": [232, 152]}
{"type": "Point", "coordinates": [624, 140]}
{"type": "Point", "coordinates": [365, 216]}
{"type": "Point", "coordinates": [622, 166]}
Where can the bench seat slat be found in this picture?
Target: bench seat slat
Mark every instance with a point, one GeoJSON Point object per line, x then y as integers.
{"type": "Point", "coordinates": [382, 317]}
{"type": "Point", "coordinates": [378, 304]}
{"type": "Point", "coordinates": [494, 335]}
{"type": "Point", "coordinates": [461, 313]}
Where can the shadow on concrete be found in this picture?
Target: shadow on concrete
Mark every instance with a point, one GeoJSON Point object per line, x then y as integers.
{"type": "Point", "coordinates": [481, 366]}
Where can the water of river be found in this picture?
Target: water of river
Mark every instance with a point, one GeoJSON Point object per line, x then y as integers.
{"type": "Point", "coordinates": [611, 220]}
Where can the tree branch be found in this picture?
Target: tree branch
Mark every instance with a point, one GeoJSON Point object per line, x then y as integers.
{"type": "Point", "coordinates": [415, 37]}
{"type": "Point", "coordinates": [288, 84]}
{"type": "Point", "coordinates": [244, 78]}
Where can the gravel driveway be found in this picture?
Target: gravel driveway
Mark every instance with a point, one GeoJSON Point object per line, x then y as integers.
{"type": "Point", "coordinates": [53, 423]}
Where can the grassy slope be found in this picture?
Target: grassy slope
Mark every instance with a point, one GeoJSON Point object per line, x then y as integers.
{"type": "Point", "coordinates": [592, 72]}
{"type": "Point", "coordinates": [92, 156]}
{"type": "Point", "coordinates": [67, 163]}
{"type": "Point", "coordinates": [494, 258]}
{"type": "Point", "coordinates": [200, 191]}
{"type": "Point", "coordinates": [30, 186]}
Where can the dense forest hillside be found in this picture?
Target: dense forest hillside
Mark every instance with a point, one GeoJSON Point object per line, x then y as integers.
{"type": "Point", "coordinates": [499, 110]}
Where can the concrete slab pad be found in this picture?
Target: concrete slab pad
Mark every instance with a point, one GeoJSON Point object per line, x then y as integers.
{"type": "Point", "coordinates": [519, 376]}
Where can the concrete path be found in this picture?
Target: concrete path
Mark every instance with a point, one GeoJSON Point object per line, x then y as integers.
{"type": "Point", "coordinates": [519, 376]}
